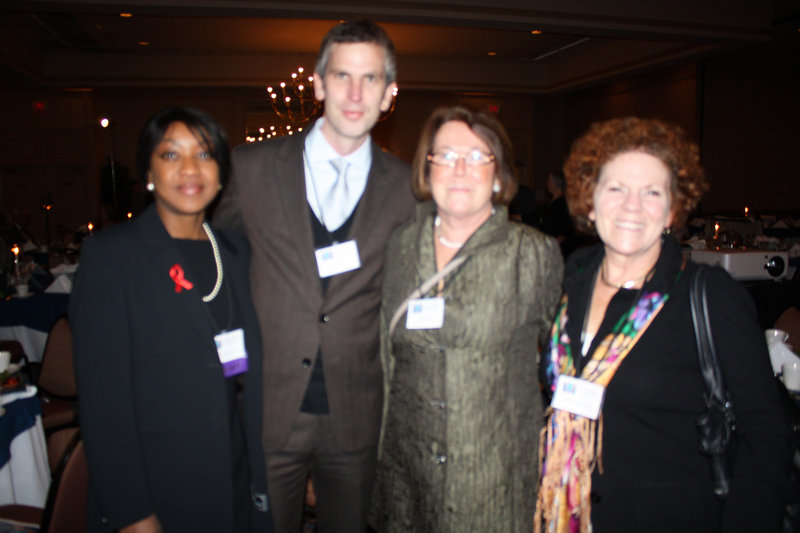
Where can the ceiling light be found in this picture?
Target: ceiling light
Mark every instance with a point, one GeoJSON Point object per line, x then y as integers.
{"type": "Point", "coordinates": [143, 43]}
{"type": "Point", "coordinates": [536, 32]}
{"type": "Point", "coordinates": [126, 15]}
{"type": "Point", "coordinates": [492, 53]}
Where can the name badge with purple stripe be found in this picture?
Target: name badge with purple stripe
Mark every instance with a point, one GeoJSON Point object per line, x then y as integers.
{"type": "Point", "coordinates": [231, 351]}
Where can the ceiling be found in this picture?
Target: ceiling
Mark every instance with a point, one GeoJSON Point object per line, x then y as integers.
{"type": "Point", "coordinates": [475, 46]}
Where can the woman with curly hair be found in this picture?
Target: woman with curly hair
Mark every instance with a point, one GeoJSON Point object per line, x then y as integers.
{"type": "Point", "coordinates": [625, 457]}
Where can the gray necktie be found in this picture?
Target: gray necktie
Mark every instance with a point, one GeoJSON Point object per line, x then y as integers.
{"type": "Point", "coordinates": [334, 205]}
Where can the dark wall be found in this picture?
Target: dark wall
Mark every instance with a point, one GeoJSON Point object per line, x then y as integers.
{"type": "Point", "coordinates": [742, 107]}
{"type": "Point", "coordinates": [751, 130]}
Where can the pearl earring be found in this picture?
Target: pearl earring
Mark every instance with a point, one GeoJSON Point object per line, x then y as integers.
{"type": "Point", "coordinates": [496, 187]}
{"type": "Point", "coordinates": [150, 186]}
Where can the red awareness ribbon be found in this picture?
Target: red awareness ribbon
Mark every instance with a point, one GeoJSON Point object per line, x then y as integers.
{"type": "Point", "coordinates": [176, 273]}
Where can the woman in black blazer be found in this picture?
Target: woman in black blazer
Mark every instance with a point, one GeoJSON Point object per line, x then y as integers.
{"type": "Point", "coordinates": [168, 352]}
{"type": "Point", "coordinates": [621, 448]}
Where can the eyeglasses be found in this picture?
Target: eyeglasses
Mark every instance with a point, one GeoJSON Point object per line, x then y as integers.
{"type": "Point", "coordinates": [449, 158]}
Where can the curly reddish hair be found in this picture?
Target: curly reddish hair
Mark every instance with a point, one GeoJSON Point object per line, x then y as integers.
{"type": "Point", "coordinates": [605, 140]}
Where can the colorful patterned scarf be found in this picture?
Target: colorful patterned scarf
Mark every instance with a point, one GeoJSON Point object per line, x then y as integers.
{"type": "Point", "coordinates": [569, 445]}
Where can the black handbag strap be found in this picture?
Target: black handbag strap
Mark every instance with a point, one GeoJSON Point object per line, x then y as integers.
{"type": "Point", "coordinates": [714, 432]}
{"type": "Point", "coordinates": [716, 393]}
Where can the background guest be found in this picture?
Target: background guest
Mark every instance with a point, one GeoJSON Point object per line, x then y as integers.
{"type": "Point", "coordinates": [625, 323]}
{"type": "Point", "coordinates": [171, 423]}
{"type": "Point", "coordinates": [18, 232]}
{"type": "Point", "coordinates": [554, 218]}
{"type": "Point", "coordinates": [522, 207]}
{"type": "Point", "coordinates": [463, 409]}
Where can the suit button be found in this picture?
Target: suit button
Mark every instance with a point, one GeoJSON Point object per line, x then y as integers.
{"type": "Point", "coordinates": [306, 363]}
{"type": "Point", "coordinates": [324, 318]}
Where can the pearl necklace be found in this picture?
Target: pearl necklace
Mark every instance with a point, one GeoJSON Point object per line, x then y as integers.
{"type": "Point", "coordinates": [217, 261]}
{"type": "Point", "coordinates": [625, 284]}
{"type": "Point", "coordinates": [437, 222]}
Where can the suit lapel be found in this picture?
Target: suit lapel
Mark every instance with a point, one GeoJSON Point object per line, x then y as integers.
{"type": "Point", "coordinates": [165, 254]}
{"type": "Point", "coordinates": [369, 206]}
{"type": "Point", "coordinates": [371, 203]}
{"type": "Point", "coordinates": [290, 178]}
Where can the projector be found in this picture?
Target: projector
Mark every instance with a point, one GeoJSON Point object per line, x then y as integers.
{"type": "Point", "coordinates": [746, 265]}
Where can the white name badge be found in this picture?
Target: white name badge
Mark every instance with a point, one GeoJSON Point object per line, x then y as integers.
{"type": "Point", "coordinates": [425, 313]}
{"type": "Point", "coordinates": [336, 259]}
{"type": "Point", "coordinates": [231, 351]}
{"type": "Point", "coordinates": [578, 396]}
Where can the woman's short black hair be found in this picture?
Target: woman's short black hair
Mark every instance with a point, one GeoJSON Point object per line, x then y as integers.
{"type": "Point", "coordinates": [202, 126]}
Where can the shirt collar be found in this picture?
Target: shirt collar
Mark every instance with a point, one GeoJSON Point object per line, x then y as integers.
{"type": "Point", "coordinates": [319, 149]}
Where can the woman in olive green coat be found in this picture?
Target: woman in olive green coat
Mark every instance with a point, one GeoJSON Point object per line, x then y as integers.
{"type": "Point", "coordinates": [463, 408]}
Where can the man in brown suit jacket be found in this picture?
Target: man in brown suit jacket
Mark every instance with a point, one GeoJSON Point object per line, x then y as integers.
{"type": "Point", "coordinates": [322, 372]}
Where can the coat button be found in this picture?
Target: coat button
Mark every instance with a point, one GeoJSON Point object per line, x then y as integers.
{"type": "Point", "coordinates": [324, 318]}
{"type": "Point", "coordinates": [306, 363]}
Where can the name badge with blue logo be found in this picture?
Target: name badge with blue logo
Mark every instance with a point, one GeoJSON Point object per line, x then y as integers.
{"type": "Point", "coordinates": [578, 396]}
{"type": "Point", "coordinates": [337, 259]}
{"type": "Point", "coordinates": [425, 313]}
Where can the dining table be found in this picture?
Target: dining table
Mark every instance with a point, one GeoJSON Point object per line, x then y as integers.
{"type": "Point", "coordinates": [29, 319]}
{"type": "Point", "coordinates": [24, 467]}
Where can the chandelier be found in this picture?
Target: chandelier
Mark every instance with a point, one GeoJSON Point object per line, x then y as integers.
{"type": "Point", "coordinates": [295, 105]}
{"type": "Point", "coordinates": [294, 101]}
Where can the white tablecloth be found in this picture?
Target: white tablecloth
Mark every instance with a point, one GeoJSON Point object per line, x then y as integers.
{"type": "Point", "coordinates": [25, 479]}
{"type": "Point", "coordinates": [32, 340]}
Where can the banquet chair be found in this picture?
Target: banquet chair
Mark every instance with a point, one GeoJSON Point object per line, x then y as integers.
{"type": "Point", "coordinates": [57, 389]}
{"type": "Point", "coordinates": [58, 443]}
{"type": "Point", "coordinates": [65, 510]}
